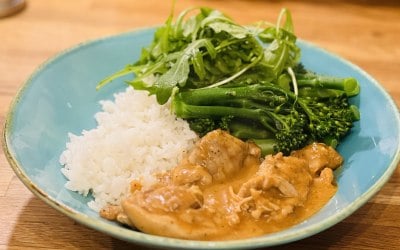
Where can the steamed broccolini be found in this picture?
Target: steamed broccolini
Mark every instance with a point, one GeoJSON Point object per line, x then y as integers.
{"type": "Point", "coordinates": [287, 121]}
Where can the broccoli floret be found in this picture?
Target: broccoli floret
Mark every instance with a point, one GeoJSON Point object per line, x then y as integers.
{"type": "Point", "coordinates": [329, 119]}
{"type": "Point", "coordinates": [225, 121]}
{"type": "Point", "coordinates": [202, 125]}
{"type": "Point", "coordinates": [291, 134]}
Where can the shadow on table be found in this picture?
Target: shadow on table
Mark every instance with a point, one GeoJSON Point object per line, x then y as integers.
{"type": "Point", "coordinates": [40, 226]}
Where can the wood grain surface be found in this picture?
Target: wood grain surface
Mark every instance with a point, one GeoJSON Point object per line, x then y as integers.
{"type": "Point", "coordinates": [364, 32]}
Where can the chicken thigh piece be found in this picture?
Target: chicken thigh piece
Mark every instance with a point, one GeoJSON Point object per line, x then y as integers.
{"type": "Point", "coordinates": [177, 205]}
{"type": "Point", "coordinates": [281, 184]}
{"type": "Point", "coordinates": [222, 154]}
{"type": "Point", "coordinates": [319, 156]}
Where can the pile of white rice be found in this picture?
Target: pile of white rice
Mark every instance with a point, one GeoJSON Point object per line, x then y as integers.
{"type": "Point", "coordinates": [135, 137]}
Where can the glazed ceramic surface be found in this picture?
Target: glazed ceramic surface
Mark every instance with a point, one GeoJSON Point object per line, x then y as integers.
{"type": "Point", "coordinates": [60, 97]}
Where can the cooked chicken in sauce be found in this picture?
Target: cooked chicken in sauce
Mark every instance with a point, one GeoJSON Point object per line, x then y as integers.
{"type": "Point", "coordinates": [223, 190]}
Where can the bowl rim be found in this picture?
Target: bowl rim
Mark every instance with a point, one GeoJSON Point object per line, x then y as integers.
{"type": "Point", "coordinates": [151, 240]}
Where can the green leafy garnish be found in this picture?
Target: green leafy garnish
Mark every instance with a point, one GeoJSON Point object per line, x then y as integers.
{"type": "Point", "coordinates": [244, 79]}
{"type": "Point", "coordinates": [209, 49]}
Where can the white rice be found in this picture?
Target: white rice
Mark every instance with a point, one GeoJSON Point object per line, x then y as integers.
{"type": "Point", "coordinates": [135, 137]}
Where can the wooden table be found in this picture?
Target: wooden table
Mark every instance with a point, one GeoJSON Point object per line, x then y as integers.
{"type": "Point", "coordinates": [363, 32]}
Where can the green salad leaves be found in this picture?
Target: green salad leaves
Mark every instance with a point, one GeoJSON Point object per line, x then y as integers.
{"type": "Point", "coordinates": [244, 79]}
{"type": "Point", "coordinates": [209, 49]}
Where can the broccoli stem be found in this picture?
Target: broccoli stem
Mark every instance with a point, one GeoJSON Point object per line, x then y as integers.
{"type": "Point", "coordinates": [333, 142]}
{"type": "Point", "coordinates": [246, 130]}
{"type": "Point", "coordinates": [355, 112]}
{"type": "Point", "coordinates": [187, 111]}
{"type": "Point", "coordinates": [208, 96]}
{"type": "Point", "coordinates": [348, 85]}
{"type": "Point", "coordinates": [319, 92]}
{"type": "Point", "coordinates": [267, 146]}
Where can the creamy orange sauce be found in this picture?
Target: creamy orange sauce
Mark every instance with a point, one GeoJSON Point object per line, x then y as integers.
{"type": "Point", "coordinates": [320, 193]}
{"type": "Point", "coordinates": [240, 196]}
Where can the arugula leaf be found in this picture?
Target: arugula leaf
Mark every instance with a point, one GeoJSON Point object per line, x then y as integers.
{"type": "Point", "coordinates": [178, 73]}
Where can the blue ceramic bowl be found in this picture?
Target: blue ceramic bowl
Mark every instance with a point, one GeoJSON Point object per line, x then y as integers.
{"type": "Point", "coordinates": [60, 97]}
